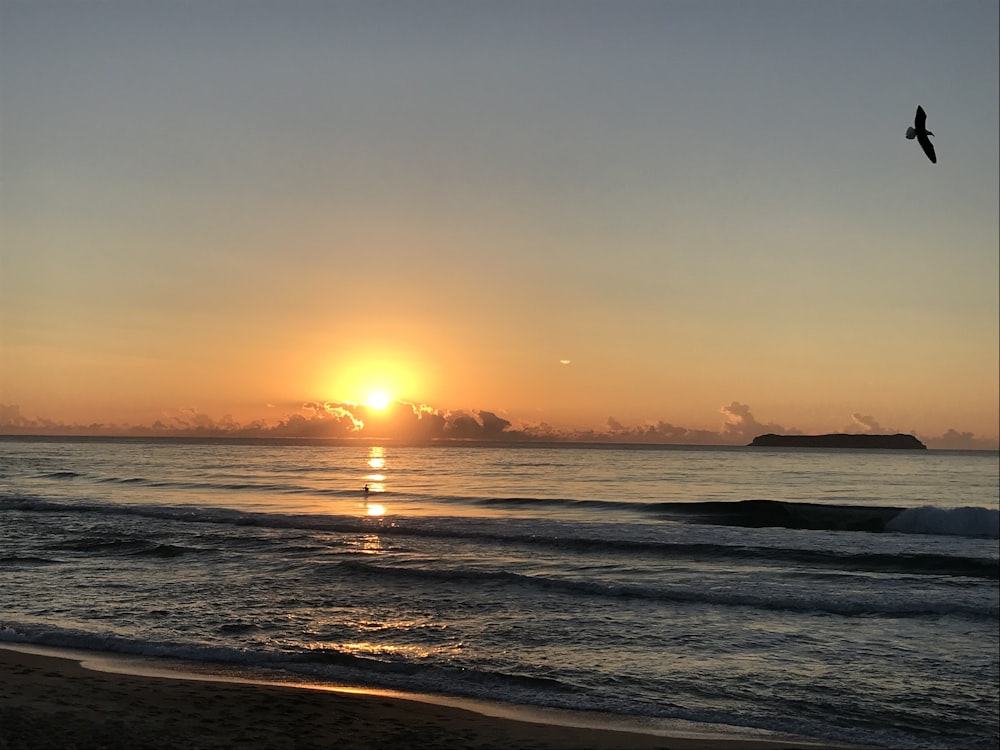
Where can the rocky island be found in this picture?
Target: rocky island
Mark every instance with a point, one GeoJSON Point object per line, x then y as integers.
{"type": "Point", "coordinates": [839, 440]}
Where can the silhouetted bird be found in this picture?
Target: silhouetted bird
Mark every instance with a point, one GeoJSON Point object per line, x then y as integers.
{"type": "Point", "coordinates": [920, 132]}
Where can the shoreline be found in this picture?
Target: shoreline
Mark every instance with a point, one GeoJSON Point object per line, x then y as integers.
{"type": "Point", "coordinates": [61, 698]}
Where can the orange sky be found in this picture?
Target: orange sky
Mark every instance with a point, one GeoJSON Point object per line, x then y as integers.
{"type": "Point", "coordinates": [232, 212]}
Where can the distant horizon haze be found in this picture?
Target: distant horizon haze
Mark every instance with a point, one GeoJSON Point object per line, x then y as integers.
{"type": "Point", "coordinates": [394, 420]}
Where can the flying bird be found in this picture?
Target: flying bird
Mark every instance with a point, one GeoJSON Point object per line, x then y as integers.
{"type": "Point", "coordinates": [920, 132]}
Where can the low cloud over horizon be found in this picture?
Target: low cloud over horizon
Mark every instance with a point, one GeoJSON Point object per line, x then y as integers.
{"type": "Point", "coordinates": [405, 421]}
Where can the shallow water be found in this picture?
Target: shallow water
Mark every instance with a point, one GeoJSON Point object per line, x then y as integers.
{"type": "Point", "coordinates": [726, 585]}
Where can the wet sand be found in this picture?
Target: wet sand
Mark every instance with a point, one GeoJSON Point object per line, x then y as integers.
{"type": "Point", "coordinates": [50, 703]}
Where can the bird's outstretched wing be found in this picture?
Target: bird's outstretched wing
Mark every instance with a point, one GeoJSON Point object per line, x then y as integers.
{"type": "Point", "coordinates": [927, 146]}
{"type": "Point", "coordinates": [920, 119]}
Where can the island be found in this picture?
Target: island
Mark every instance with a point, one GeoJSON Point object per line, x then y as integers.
{"type": "Point", "coordinates": [839, 440]}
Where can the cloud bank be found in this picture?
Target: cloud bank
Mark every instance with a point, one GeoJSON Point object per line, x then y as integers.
{"type": "Point", "coordinates": [404, 421]}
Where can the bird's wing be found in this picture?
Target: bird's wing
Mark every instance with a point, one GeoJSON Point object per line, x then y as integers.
{"type": "Point", "coordinates": [928, 147]}
{"type": "Point", "coordinates": [920, 119]}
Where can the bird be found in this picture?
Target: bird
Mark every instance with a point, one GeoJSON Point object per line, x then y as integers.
{"type": "Point", "coordinates": [920, 132]}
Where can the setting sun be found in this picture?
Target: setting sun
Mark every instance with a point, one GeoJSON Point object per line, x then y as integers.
{"type": "Point", "coordinates": [369, 377]}
{"type": "Point", "coordinates": [378, 400]}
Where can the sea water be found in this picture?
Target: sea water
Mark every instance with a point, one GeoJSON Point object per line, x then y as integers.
{"type": "Point", "coordinates": [843, 595]}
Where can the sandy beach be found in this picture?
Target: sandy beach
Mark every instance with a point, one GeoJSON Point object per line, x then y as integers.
{"type": "Point", "coordinates": [48, 702]}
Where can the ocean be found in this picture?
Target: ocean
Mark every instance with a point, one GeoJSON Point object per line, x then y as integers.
{"type": "Point", "coordinates": [848, 596]}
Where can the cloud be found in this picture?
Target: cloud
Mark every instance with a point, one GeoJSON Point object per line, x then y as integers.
{"type": "Point", "coordinates": [418, 423]}
{"type": "Point", "coordinates": [492, 424]}
{"type": "Point", "coordinates": [660, 432]}
{"type": "Point", "coordinates": [741, 425]}
{"type": "Point", "coordinates": [14, 423]}
{"type": "Point", "coordinates": [10, 416]}
{"type": "Point", "coordinates": [402, 420]}
{"type": "Point", "coordinates": [189, 418]}
{"type": "Point", "coordinates": [867, 424]}
{"type": "Point", "coordinates": [954, 440]}
{"type": "Point", "coordinates": [399, 420]}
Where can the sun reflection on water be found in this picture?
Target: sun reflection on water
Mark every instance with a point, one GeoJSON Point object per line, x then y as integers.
{"type": "Point", "coordinates": [375, 481]}
{"type": "Point", "coordinates": [370, 544]}
{"type": "Point", "coordinates": [376, 457]}
{"type": "Point", "coordinates": [391, 638]}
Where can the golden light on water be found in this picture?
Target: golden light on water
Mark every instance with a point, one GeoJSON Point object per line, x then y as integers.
{"type": "Point", "coordinates": [375, 481]}
{"type": "Point", "coordinates": [369, 544]}
{"type": "Point", "coordinates": [382, 649]}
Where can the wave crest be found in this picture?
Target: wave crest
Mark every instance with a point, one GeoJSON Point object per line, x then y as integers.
{"type": "Point", "coordinates": [929, 519]}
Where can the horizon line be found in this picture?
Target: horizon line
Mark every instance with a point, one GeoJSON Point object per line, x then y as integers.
{"type": "Point", "coordinates": [520, 441]}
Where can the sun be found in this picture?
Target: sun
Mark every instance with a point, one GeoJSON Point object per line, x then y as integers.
{"type": "Point", "coordinates": [377, 400]}
{"type": "Point", "coordinates": [377, 382]}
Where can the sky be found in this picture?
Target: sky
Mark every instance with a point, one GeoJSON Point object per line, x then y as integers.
{"type": "Point", "coordinates": [690, 221]}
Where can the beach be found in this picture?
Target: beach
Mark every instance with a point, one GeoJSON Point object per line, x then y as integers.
{"type": "Point", "coordinates": [48, 702]}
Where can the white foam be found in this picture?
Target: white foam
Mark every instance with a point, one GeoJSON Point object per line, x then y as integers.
{"type": "Point", "coordinates": [929, 519]}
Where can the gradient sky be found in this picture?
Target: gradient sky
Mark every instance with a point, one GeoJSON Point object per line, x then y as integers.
{"type": "Point", "coordinates": [233, 207]}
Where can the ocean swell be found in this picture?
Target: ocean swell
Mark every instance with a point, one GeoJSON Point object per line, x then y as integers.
{"type": "Point", "coordinates": [971, 522]}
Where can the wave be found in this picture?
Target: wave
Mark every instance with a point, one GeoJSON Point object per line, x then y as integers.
{"type": "Point", "coordinates": [971, 522]}
{"type": "Point", "coordinates": [165, 551]}
{"type": "Point", "coordinates": [206, 484]}
{"type": "Point", "coordinates": [17, 561]}
{"type": "Point", "coordinates": [569, 538]}
{"type": "Point", "coordinates": [275, 487]}
{"type": "Point", "coordinates": [534, 687]}
{"type": "Point", "coordinates": [60, 475]}
{"type": "Point", "coordinates": [116, 546]}
{"type": "Point", "coordinates": [323, 663]}
{"type": "Point", "coordinates": [974, 522]}
{"type": "Point", "coordinates": [774, 513]}
{"type": "Point", "coordinates": [850, 605]}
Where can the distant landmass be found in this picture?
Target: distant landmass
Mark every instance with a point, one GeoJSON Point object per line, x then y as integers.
{"type": "Point", "coordinates": [839, 440]}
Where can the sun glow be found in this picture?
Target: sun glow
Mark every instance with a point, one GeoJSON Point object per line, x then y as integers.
{"type": "Point", "coordinates": [377, 400]}
{"type": "Point", "coordinates": [375, 377]}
